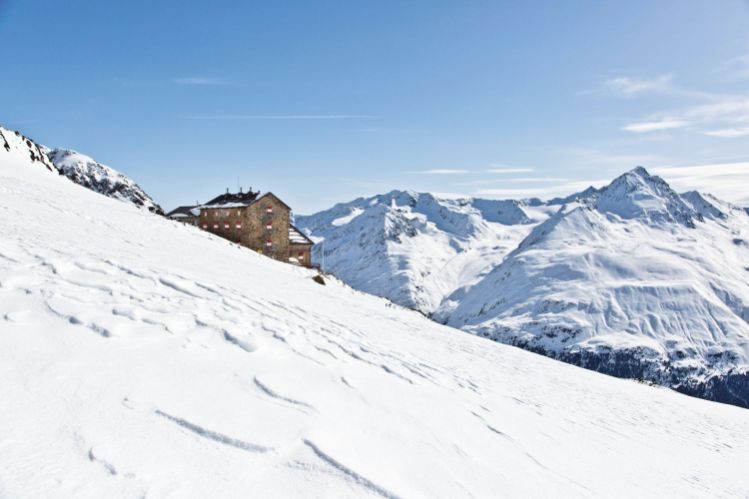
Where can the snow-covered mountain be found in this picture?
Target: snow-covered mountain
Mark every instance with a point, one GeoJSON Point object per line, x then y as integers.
{"type": "Point", "coordinates": [81, 169]}
{"type": "Point", "coordinates": [632, 279]}
{"type": "Point", "coordinates": [103, 179]}
{"type": "Point", "coordinates": [415, 248]}
{"type": "Point", "coordinates": [140, 357]}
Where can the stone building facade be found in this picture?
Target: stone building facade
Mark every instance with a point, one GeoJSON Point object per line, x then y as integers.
{"type": "Point", "coordinates": [259, 222]}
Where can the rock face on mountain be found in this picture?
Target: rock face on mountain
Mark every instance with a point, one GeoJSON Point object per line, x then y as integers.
{"type": "Point", "coordinates": [100, 178]}
{"type": "Point", "coordinates": [633, 279]}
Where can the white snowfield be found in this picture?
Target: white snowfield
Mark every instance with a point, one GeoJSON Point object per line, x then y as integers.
{"type": "Point", "coordinates": [140, 357]}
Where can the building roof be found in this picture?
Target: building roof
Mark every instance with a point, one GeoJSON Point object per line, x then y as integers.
{"type": "Point", "coordinates": [239, 200]}
{"type": "Point", "coordinates": [296, 236]}
{"type": "Point", "coordinates": [184, 211]}
{"type": "Point", "coordinates": [231, 200]}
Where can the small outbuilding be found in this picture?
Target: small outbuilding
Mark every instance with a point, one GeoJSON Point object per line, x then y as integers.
{"type": "Point", "coordinates": [185, 214]}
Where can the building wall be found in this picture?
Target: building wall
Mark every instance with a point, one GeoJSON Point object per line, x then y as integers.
{"type": "Point", "coordinates": [249, 226]}
{"type": "Point", "coordinates": [223, 222]}
{"type": "Point", "coordinates": [266, 221]}
{"type": "Point", "coordinates": [257, 219]}
{"type": "Point", "coordinates": [301, 249]}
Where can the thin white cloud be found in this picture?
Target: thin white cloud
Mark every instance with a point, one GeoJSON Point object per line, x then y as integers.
{"type": "Point", "coordinates": [240, 117]}
{"type": "Point", "coordinates": [536, 179]}
{"type": "Point", "coordinates": [727, 181]}
{"type": "Point", "coordinates": [512, 180]}
{"type": "Point", "coordinates": [731, 110]}
{"type": "Point", "coordinates": [728, 132]}
{"type": "Point", "coordinates": [654, 126]}
{"type": "Point", "coordinates": [199, 81]}
{"type": "Point", "coordinates": [712, 114]}
{"type": "Point", "coordinates": [502, 169]}
{"type": "Point", "coordinates": [726, 109]}
{"type": "Point", "coordinates": [736, 68]}
{"type": "Point", "coordinates": [624, 85]}
{"type": "Point", "coordinates": [562, 189]}
{"type": "Point", "coordinates": [611, 161]}
{"type": "Point", "coordinates": [443, 171]}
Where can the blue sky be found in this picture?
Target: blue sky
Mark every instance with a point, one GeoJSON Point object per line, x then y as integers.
{"type": "Point", "coordinates": [324, 101]}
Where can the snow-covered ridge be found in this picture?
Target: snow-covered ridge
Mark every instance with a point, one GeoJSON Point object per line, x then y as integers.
{"type": "Point", "coordinates": [636, 281]}
{"type": "Point", "coordinates": [100, 178]}
{"type": "Point", "coordinates": [78, 167]}
{"type": "Point", "coordinates": [416, 248]}
{"type": "Point", "coordinates": [130, 368]}
{"type": "Point", "coordinates": [632, 279]}
{"type": "Point", "coordinates": [17, 148]}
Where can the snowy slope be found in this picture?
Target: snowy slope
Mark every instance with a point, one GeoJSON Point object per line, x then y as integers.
{"type": "Point", "coordinates": [634, 280]}
{"type": "Point", "coordinates": [84, 171]}
{"type": "Point", "coordinates": [79, 168]}
{"type": "Point", "coordinates": [17, 148]}
{"type": "Point", "coordinates": [416, 248]}
{"type": "Point", "coordinates": [143, 358]}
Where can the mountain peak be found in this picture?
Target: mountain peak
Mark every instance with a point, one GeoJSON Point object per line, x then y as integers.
{"type": "Point", "coordinates": [638, 194]}
{"type": "Point", "coordinates": [704, 204]}
{"type": "Point", "coordinates": [641, 171]}
{"type": "Point", "coordinates": [588, 193]}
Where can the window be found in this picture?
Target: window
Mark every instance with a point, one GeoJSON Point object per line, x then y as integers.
{"type": "Point", "coordinates": [269, 226]}
{"type": "Point", "coordinates": [239, 225]}
{"type": "Point", "coordinates": [226, 225]}
{"type": "Point", "coordinates": [269, 208]}
{"type": "Point", "coordinates": [215, 226]}
{"type": "Point", "coordinates": [300, 256]}
{"type": "Point", "coordinates": [268, 243]}
{"type": "Point", "coordinates": [205, 226]}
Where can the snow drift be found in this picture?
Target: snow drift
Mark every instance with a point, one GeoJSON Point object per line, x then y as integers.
{"type": "Point", "coordinates": [143, 358]}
